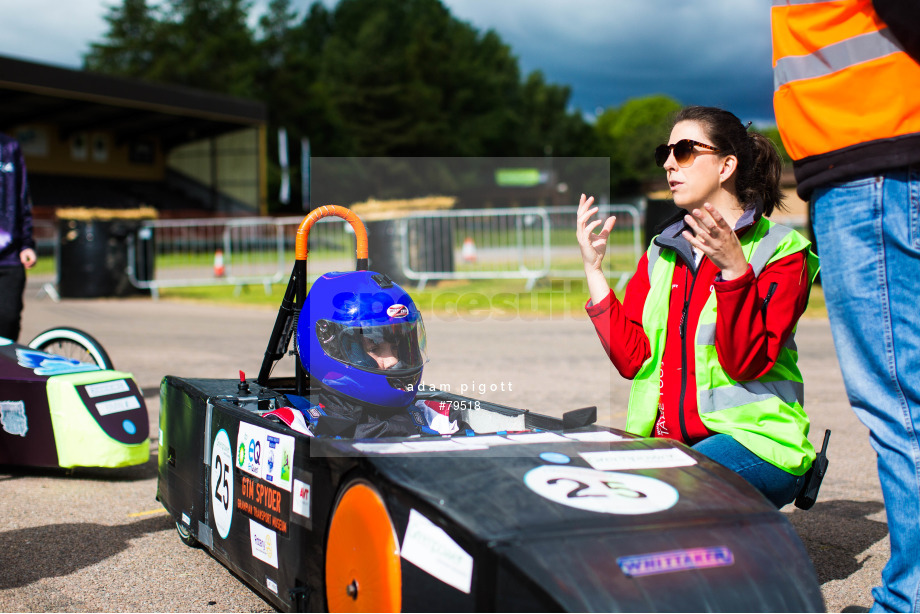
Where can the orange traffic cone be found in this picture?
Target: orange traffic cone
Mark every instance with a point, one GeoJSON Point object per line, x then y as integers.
{"type": "Point", "coordinates": [218, 263]}
{"type": "Point", "coordinates": [468, 251]}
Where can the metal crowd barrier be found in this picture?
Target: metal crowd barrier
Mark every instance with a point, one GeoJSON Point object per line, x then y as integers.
{"type": "Point", "coordinates": [624, 246]}
{"type": "Point", "coordinates": [476, 244]}
{"type": "Point", "coordinates": [523, 243]}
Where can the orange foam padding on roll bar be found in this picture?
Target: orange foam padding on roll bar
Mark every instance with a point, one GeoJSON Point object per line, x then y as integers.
{"type": "Point", "coordinates": [303, 231]}
{"type": "Point", "coordinates": [363, 566]}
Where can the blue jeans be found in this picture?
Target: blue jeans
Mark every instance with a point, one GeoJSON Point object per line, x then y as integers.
{"type": "Point", "coordinates": [868, 235]}
{"type": "Point", "coordinates": [779, 486]}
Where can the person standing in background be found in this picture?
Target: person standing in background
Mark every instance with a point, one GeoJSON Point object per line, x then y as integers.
{"type": "Point", "coordinates": [847, 103]}
{"type": "Point", "coordinates": [17, 247]}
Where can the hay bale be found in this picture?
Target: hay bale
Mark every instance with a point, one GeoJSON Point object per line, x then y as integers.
{"type": "Point", "coordinates": [101, 214]}
{"type": "Point", "coordinates": [375, 210]}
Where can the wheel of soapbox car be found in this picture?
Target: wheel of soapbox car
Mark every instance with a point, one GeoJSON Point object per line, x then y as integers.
{"type": "Point", "coordinates": [72, 343]}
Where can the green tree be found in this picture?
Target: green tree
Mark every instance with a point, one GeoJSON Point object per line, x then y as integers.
{"type": "Point", "coordinates": [198, 43]}
{"type": "Point", "coordinates": [364, 78]}
{"type": "Point", "coordinates": [132, 42]}
{"type": "Point", "coordinates": [548, 126]}
{"type": "Point", "coordinates": [772, 133]}
{"type": "Point", "coordinates": [403, 77]}
{"type": "Point", "coordinates": [630, 133]}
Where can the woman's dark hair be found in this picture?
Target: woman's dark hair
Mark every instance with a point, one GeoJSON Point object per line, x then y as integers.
{"type": "Point", "coordinates": [759, 164]}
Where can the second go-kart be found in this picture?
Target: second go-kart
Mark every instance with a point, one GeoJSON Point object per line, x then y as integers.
{"type": "Point", "coordinates": [62, 404]}
{"type": "Point", "coordinates": [515, 511]}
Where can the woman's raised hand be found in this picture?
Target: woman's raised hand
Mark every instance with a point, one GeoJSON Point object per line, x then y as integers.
{"type": "Point", "coordinates": [715, 238]}
{"type": "Point", "coordinates": [593, 246]}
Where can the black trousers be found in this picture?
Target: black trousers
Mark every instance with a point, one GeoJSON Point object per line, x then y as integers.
{"type": "Point", "coordinates": [12, 285]}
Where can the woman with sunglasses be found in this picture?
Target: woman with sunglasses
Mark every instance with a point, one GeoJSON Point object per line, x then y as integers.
{"type": "Point", "coordinates": [705, 330]}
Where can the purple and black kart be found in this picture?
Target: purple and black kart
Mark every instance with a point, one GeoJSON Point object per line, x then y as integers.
{"type": "Point", "coordinates": [62, 404]}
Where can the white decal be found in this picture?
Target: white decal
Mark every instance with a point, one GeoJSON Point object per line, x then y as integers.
{"type": "Point", "coordinates": [595, 436]}
{"type": "Point", "coordinates": [492, 440]}
{"type": "Point", "coordinates": [443, 445]}
{"type": "Point", "coordinates": [48, 364]}
{"type": "Point", "coordinates": [610, 460]}
{"type": "Point", "coordinates": [397, 311]}
{"type": "Point", "coordinates": [106, 388]}
{"type": "Point", "coordinates": [116, 405]}
{"type": "Point", "coordinates": [545, 437]}
{"type": "Point", "coordinates": [265, 454]}
{"type": "Point", "coordinates": [264, 543]}
{"type": "Point", "coordinates": [300, 501]}
{"type": "Point", "coordinates": [221, 486]}
{"type": "Point", "coordinates": [601, 491]}
{"type": "Point", "coordinates": [427, 546]}
{"type": "Point", "coordinates": [383, 448]}
{"type": "Point", "coordinates": [13, 417]}
{"type": "Point", "coordinates": [271, 585]}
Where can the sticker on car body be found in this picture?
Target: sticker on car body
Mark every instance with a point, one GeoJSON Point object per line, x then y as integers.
{"type": "Point", "coordinates": [300, 502]}
{"type": "Point", "coordinates": [13, 417]}
{"type": "Point", "coordinates": [604, 492]}
{"type": "Point", "coordinates": [115, 406]}
{"type": "Point", "coordinates": [618, 460]}
{"type": "Point", "coordinates": [675, 560]}
{"type": "Point", "coordinates": [103, 389]}
{"type": "Point", "coordinates": [222, 483]}
{"type": "Point", "coordinates": [264, 543]}
{"type": "Point", "coordinates": [48, 364]}
{"type": "Point", "coordinates": [265, 454]}
{"type": "Point", "coordinates": [432, 550]}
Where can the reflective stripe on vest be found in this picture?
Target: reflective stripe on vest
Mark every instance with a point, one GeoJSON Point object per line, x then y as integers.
{"type": "Point", "coordinates": [840, 77]}
{"type": "Point", "coordinates": [739, 409]}
{"type": "Point", "coordinates": [830, 59]}
{"type": "Point", "coordinates": [745, 393]}
{"type": "Point", "coordinates": [773, 236]}
{"type": "Point", "coordinates": [706, 335]}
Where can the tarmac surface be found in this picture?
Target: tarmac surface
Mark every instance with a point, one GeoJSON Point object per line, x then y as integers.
{"type": "Point", "coordinates": [97, 540]}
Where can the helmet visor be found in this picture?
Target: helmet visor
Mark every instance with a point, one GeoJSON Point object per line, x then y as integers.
{"type": "Point", "coordinates": [393, 349]}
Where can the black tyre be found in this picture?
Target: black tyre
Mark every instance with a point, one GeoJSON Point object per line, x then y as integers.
{"type": "Point", "coordinates": [185, 535]}
{"type": "Point", "coordinates": [72, 343]}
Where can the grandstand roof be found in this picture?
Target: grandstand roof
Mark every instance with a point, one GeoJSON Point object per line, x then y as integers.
{"type": "Point", "coordinates": [76, 100]}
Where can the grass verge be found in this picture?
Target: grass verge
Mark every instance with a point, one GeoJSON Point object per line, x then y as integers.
{"type": "Point", "coordinates": [504, 299]}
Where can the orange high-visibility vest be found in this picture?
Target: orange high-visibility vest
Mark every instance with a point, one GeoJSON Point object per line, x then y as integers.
{"type": "Point", "coordinates": [840, 77]}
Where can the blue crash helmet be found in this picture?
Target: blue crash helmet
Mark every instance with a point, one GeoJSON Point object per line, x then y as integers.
{"type": "Point", "coordinates": [360, 335]}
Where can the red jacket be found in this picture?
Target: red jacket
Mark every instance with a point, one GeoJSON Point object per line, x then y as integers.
{"type": "Point", "coordinates": [754, 318]}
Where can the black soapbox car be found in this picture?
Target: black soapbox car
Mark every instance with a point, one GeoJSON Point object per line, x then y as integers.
{"type": "Point", "coordinates": [522, 512]}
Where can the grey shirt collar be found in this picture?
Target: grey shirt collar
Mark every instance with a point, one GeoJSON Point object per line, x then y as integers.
{"type": "Point", "coordinates": [671, 238]}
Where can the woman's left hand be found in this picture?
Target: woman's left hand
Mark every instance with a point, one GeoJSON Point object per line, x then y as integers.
{"type": "Point", "coordinates": [716, 239]}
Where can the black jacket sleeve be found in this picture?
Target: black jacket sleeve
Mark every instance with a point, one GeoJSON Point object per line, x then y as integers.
{"type": "Point", "coordinates": [903, 20]}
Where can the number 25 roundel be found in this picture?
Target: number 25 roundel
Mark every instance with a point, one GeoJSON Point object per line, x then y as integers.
{"type": "Point", "coordinates": [605, 492]}
{"type": "Point", "coordinates": [222, 483]}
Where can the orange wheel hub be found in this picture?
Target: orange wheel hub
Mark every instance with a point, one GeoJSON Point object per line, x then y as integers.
{"type": "Point", "coordinates": [363, 566]}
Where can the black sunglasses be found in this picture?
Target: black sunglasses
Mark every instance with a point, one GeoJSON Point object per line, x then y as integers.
{"type": "Point", "coordinates": [683, 152]}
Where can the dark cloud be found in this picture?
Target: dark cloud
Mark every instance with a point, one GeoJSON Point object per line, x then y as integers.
{"type": "Point", "coordinates": [714, 52]}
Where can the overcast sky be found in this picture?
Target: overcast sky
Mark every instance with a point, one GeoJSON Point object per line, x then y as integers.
{"type": "Point", "coordinates": [712, 52]}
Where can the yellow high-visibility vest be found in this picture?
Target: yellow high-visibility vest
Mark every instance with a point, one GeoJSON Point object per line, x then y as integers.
{"type": "Point", "coordinates": [765, 415]}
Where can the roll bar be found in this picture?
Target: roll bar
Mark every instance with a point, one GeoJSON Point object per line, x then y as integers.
{"type": "Point", "coordinates": [295, 295]}
{"type": "Point", "coordinates": [303, 231]}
